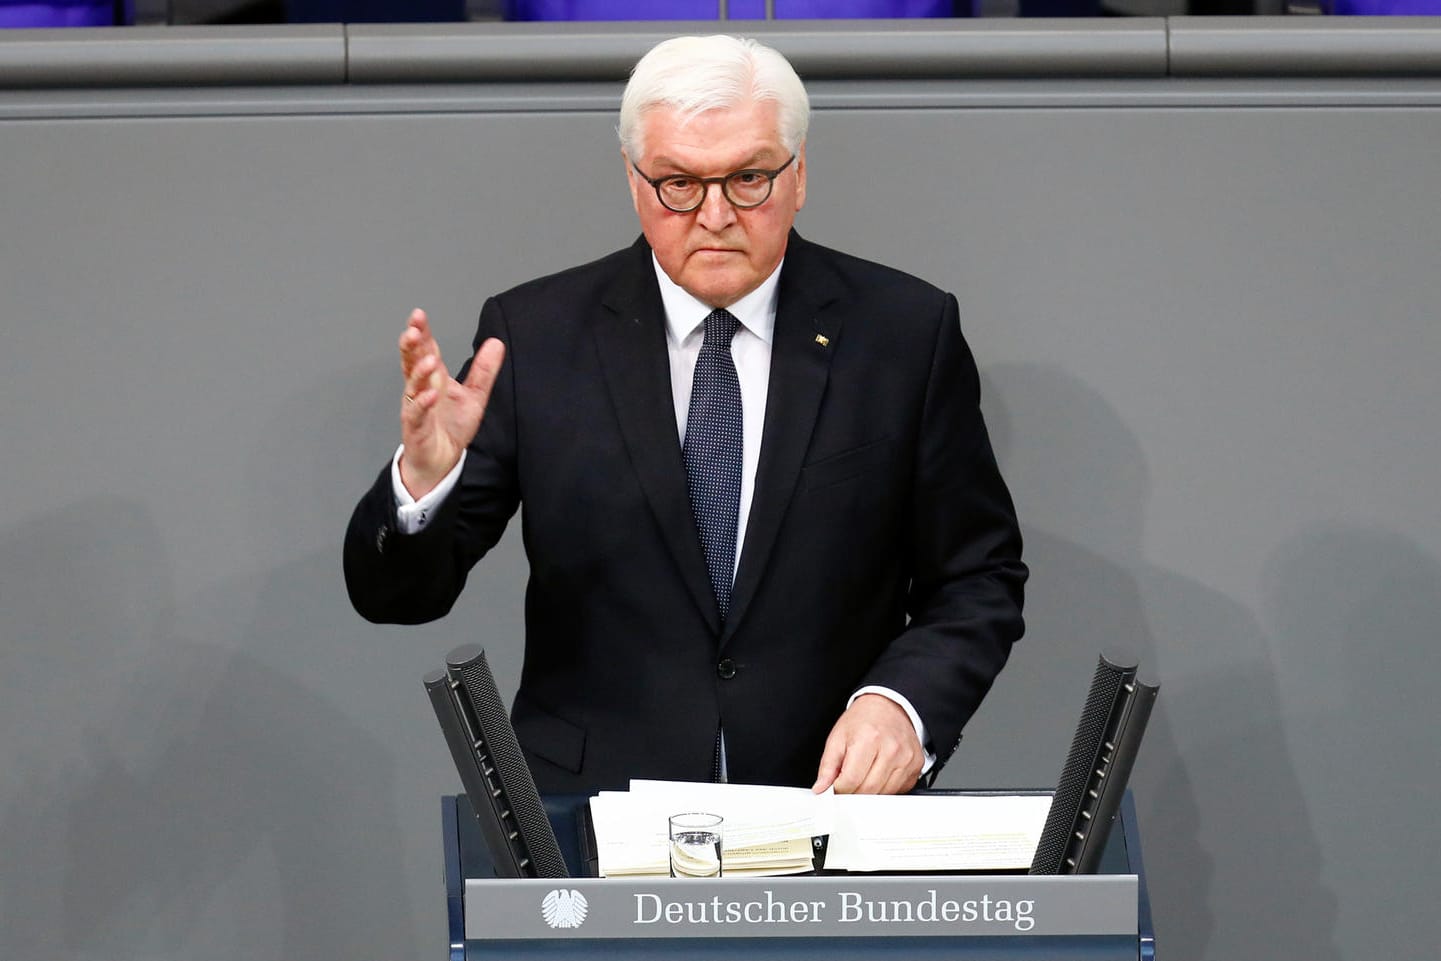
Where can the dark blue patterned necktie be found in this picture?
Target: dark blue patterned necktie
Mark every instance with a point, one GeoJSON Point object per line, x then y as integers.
{"type": "Point", "coordinates": [712, 452]}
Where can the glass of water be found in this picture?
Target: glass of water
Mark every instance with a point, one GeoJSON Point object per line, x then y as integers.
{"type": "Point", "coordinates": [695, 845]}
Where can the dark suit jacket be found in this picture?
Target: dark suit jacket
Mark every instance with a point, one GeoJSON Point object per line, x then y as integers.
{"type": "Point", "coordinates": [882, 546]}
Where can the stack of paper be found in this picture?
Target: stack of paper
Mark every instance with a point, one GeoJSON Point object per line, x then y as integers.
{"type": "Point", "coordinates": [766, 831]}
{"type": "Point", "coordinates": [769, 830]}
{"type": "Point", "coordinates": [936, 832]}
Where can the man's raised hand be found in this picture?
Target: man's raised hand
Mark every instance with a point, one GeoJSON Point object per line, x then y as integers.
{"type": "Point", "coordinates": [439, 415]}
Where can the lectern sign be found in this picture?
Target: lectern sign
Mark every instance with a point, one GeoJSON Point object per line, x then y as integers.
{"type": "Point", "coordinates": [811, 907]}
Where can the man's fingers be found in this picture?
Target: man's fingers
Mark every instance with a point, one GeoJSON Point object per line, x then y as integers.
{"type": "Point", "coordinates": [852, 760]}
{"type": "Point", "coordinates": [891, 775]}
{"type": "Point", "coordinates": [415, 407]}
{"type": "Point", "coordinates": [416, 333]}
{"type": "Point", "coordinates": [830, 764]}
{"type": "Point", "coordinates": [844, 761]}
{"type": "Point", "coordinates": [422, 376]}
{"type": "Point", "coordinates": [881, 774]}
{"type": "Point", "coordinates": [416, 341]}
{"type": "Point", "coordinates": [858, 774]}
{"type": "Point", "coordinates": [485, 367]}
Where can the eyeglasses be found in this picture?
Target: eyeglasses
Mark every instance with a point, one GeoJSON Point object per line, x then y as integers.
{"type": "Point", "coordinates": [683, 193]}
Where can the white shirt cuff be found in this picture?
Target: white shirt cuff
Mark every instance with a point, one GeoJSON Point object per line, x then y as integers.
{"type": "Point", "coordinates": [411, 515]}
{"type": "Point", "coordinates": [905, 705]}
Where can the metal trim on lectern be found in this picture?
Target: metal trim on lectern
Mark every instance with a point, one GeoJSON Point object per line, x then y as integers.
{"type": "Point", "coordinates": [1104, 917]}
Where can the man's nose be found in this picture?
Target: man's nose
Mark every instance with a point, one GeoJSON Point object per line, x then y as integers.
{"type": "Point", "coordinates": [715, 211]}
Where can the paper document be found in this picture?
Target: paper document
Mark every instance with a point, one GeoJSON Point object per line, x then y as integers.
{"type": "Point", "coordinates": [936, 833]}
{"type": "Point", "coordinates": [754, 813]}
{"type": "Point", "coordinates": [767, 830]}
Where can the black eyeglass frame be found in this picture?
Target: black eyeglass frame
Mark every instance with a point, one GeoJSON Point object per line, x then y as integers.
{"type": "Point", "coordinates": [705, 182]}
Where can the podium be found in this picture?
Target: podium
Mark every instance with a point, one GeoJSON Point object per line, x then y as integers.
{"type": "Point", "coordinates": [822, 917]}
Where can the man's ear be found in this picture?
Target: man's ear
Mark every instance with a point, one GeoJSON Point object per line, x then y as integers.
{"type": "Point", "coordinates": [800, 176]}
{"type": "Point", "coordinates": [630, 178]}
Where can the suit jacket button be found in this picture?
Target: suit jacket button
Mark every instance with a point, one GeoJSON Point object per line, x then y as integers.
{"type": "Point", "coordinates": [725, 668]}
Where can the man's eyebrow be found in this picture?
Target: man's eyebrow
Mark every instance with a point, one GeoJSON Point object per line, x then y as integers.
{"type": "Point", "coordinates": [662, 162]}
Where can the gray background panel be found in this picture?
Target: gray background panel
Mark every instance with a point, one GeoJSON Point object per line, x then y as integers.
{"type": "Point", "coordinates": [1205, 317]}
{"type": "Point", "coordinates": [1303, 46]}
{"type": "Point", "coordinates": [891, 49]}
{"type": "Point", "coordinates": [93, 56]}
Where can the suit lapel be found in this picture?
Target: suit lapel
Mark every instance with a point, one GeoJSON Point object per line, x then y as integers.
{"type": "Point", "coordinates": [630, 339]}
{"type": "Point", "coordinates": [806, 336]}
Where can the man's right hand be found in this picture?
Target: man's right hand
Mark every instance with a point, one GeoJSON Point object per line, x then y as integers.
{"type": "Point", "coordinates": [439, 415]}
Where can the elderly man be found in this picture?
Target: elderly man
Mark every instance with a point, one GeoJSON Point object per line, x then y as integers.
{"type": "Point", "coordinates": [767, 537]}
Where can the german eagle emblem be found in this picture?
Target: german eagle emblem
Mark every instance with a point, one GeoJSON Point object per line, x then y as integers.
{"type": "Point", "coordinates": [564, 909]}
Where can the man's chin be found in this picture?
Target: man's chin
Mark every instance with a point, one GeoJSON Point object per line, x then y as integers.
{"type": "Point", "coordinates": [720, 288]}
{"type": "Point", "coordinates": [718, 295]}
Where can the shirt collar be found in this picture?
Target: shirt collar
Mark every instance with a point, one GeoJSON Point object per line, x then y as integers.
{"type": "Point", "coordinates": [756, 311]}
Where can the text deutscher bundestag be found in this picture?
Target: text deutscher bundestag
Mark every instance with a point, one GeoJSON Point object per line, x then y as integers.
{"type": "Point", "coordinates": [847, 907]}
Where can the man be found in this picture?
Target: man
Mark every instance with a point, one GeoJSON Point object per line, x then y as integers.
{"type": "Point", "coordinates": [766, 532]}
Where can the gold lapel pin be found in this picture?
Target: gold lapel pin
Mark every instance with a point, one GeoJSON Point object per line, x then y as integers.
{"type": "Point", "coordinates": [823, 340]}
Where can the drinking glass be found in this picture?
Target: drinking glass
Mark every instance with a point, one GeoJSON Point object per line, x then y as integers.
{"type": "Point", "coordinates": [695, 845]}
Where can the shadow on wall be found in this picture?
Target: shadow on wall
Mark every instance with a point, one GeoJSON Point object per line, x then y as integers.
{"type": "Point", "coordinates": [1363, 608]}
{"type": "Point", "coordinates": [1215, 783]}
{"type": "Point", "coordinates": [168, 796]}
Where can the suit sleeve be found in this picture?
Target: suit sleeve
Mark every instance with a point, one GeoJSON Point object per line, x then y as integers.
{"type": "Point", "coordinates": [967, 577]}
{"type": "Point", "coordinates": [397, 578]}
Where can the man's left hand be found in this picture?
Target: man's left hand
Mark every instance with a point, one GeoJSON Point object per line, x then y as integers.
{"type": "Point", "coordinates": [873, 749]}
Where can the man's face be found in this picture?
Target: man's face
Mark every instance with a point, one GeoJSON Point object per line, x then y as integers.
{"type": "Point", "coordinates": [718, 253]}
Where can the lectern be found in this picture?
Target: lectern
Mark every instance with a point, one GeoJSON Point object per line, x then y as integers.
{"type": "Point", "coordinates": [831, 917]}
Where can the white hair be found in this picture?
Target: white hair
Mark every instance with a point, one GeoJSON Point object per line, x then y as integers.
{"type": "Point", "coordinates": [696, 74]}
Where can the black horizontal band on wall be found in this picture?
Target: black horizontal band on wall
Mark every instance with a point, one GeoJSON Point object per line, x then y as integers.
{"type": "Point", "coordinates": [821, 50]}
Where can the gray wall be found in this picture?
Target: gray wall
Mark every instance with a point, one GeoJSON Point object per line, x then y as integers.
{"type": "Point", "coordinates": [1204, 313]}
